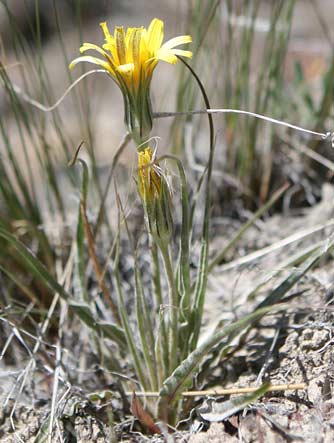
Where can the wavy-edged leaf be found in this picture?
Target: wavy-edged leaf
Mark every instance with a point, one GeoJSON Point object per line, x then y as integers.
{"type": "Point", "coordinates": [174, 384]}
{"type": "Point", "coordinates": [214, 411]}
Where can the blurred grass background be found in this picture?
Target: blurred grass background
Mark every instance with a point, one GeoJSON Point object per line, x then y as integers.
{"type": "Point", "coordinates": [267, 57]}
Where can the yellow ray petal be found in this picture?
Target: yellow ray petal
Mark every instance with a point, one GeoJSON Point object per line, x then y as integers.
{"type": "Point", "coordinates": [155, 35]}
{"type": "Point", "coordinates": [143, 50]}
{"type": "Point", "coordinates": [87, 46]}
{"type": "Point", "coordinates": [133, 46]}
{"type": "Point", "coordinates": [181, 52]}
{"type": "Point", "coordinates": [106, 32]}
{"type": "Point", "coordinates": [94, 60]}
{"type": "Point", "coordinates": [120, 44]}
{"type": "Point", "coordinates": [176, 41]}
{"type": "Point", "coordinates": [111, 48]}
{"type": "Point", "coordinates": [91, 46]}
{"type": "Point", "coordinates": [166, 56]}
{"type": "Point", "coordinates": [128, 36]}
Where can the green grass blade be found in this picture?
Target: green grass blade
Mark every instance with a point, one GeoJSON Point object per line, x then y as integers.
{"type": "Point", "coordinates": [38, 270]}
{"type": "Point", "coordinates": [221, 255]}
{"type": "Point", "coordinates": [80, 235]}
{"type": "Point", "coordinates": [135, 353]}
{"type": "Point", "coordinates": [145, 328]}
{"type": "Point", "coordinates": [295, 260]}
{"type": "Point", "coordinates": [112, 331]}
{"type": "Point", "coordinates": [278, 293]}
{"type": "Point", "coordinates": [202, 274]}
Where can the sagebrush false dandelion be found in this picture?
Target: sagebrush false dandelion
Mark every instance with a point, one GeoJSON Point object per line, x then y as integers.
{"type": "Point", "coordinates": [130, 58]}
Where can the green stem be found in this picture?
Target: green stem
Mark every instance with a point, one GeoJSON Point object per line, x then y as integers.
{"type": "Point", "coordinates": [202, 275]}
{"type": "Point", "coordinates": [145, 327]}
{"type": "Point", "coordinates": [173, 303]}
{"type": "Point", "coordinates": [163, 362]}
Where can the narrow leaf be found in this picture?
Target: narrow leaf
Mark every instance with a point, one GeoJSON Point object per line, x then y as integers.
{"type": "Point", "coordinates": [277, 294]}
{"type": "Point", "coordinates": [38, 270]}
{"type": "Point", "coordinates": [174, 384]}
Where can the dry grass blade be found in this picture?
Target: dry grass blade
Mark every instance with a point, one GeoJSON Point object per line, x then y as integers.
{"type": "Point", "coordinates": [220, 256]}
{"type": "Point", "coordinates": [91, 240]}
{"type": "Point", "coordinates": [277, 294]}
{"type": "Point", "coordinates": [218, 392]}
{"type": "Point", "coordinates": [275, 246]}
{"type": "Point", "coordinates": [96, 265]}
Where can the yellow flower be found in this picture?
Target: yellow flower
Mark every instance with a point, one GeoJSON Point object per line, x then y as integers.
{"type": "Point", "coordinates": [130, 58]}
{"type": "Point", "coordinates": [154, 190]}
{"type": "Point", "coordinates": [149, 176]}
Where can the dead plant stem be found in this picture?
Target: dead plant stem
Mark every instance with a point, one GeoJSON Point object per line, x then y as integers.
{"type": "Point", "coordinates": [231, 391]}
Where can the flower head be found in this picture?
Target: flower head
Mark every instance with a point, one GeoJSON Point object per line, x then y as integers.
{"type": "Point", "coordinates": [154, 191]}
{"type": "Point", "coordinates": [130, 58]}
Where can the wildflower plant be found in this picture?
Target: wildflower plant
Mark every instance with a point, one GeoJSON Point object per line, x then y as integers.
{"type": "Point", "coordinates": [164, 344]}
{"type": "Point", "coordinates": [169, 352]}
{"type": "Point", "coordinates": [167, 355]}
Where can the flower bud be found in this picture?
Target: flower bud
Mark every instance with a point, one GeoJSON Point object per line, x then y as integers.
{"type": "Point", "coordinates": [154, 190]}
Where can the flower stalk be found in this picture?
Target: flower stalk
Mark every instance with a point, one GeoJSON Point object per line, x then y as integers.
{"type": "Point", "coordinates": [130, 57]}
{"type": "Point", "coordinates": [161, 346]}
{"type": "Point", "coordinates": [173, 308]}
